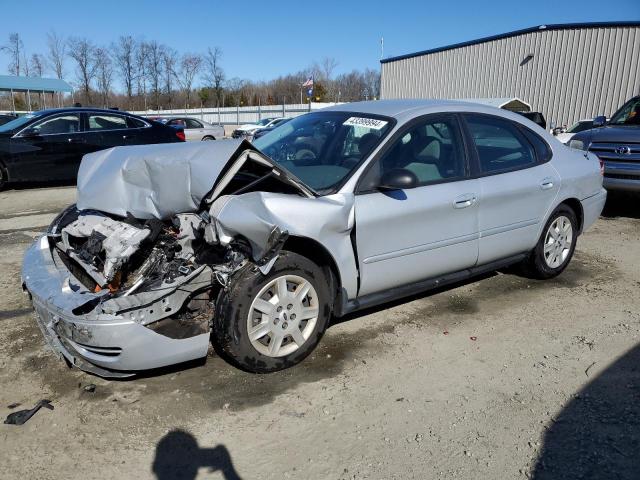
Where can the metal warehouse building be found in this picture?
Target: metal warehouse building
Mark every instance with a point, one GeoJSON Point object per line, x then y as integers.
{"type": "Point", "coordinates": [567, 72]}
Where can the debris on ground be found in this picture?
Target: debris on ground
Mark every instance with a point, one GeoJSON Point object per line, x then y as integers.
{"type": "Point", "coordinates": [13, 405]}
{"type": "Point", "coordinates": [473, 338]}
{"type": "Point", "coordinates": [586, 372]}
{"type": "Point", "coordinates": [21, 416]}
{"type": "Point", "coordinates": [90, 388]}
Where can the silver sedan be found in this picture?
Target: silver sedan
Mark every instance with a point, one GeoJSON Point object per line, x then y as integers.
{"type": "Point", "coordinates": [256, 247]}
{"type": "Point", "coordinates": [195, 129]}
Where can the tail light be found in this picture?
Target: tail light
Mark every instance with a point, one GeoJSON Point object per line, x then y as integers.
{"type": "Point", "coordinates": [180, 135]}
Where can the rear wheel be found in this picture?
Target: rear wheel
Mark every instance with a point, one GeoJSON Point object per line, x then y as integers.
{"type": "Point", "coordinates": [207, 138]}
{"type": "Point", "coordinates": [266, 323]}
{"type": "Point", "coordinates": [4, 177]}
{"type": "Point", "coordinates": [556, 245]}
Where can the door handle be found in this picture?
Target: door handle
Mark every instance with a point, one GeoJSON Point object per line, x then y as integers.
{"type": "Point", "coordinates": [464, 201]}
{"type": "Point", "coordinates": [74, 140]}
{"type": "Point", "coordinates": [125, 137]}
{"type": "Point", "coordinates": [546, 184]}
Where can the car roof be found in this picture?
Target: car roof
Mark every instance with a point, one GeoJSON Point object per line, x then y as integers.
{"type": "Point", "coordinates": [82, 109]}
{"type": "Point", "coordinates": [399, 108]}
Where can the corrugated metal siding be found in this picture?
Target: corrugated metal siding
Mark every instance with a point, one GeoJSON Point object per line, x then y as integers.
{"type": "Point", "coordinates": [575, 73]}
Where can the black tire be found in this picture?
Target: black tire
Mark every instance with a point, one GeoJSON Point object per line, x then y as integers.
{"type": "Point", "coordinates": [535, 266]}
{"type": "Point", "coordinates": [207, 138]}
{"type": "Point", "coordinates": [4, 177]}
{"type": "Point", "coordinates": [230, 330]}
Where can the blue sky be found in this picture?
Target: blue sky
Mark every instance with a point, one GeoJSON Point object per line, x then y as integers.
{"type": "Point", "coordinates": [261, 40]}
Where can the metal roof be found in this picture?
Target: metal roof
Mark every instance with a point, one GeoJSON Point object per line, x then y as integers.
{"type": "Point", "coordinates": [559, 26]}
{"type": "Point", "coordinates": [34, 84]}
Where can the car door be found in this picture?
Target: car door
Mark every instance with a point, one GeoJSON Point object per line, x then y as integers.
{"type": "Point", "coordinates": [106, 130]}
{"type": "Point", "coordinates": [517, 184]}
{"type": "Point", "coordinates": [48, 149]}
{"type": "Point", "coordinates": [404, 236]}
{"type": "Point", "coordinates": [194, 129]}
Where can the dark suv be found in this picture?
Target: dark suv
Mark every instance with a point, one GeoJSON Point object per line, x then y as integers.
{"type": "Point", "coordinates": [617, 143]}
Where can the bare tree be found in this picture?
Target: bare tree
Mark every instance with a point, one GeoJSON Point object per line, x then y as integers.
{"type": "Point", "coordinates": [37, 65]}
{"type": "Point", "coordinates": [169, 61]}
{"type": "Point", "coordinates": [124, 54]}
{"type": "Point", "coordinates": [214, 74]}
{"type": "Point", "coordinates": [189, 67]}
{"type": "Point", "coordinates": [57, 50]}
{"type": "Point", "coordinates": [154, 57]}
{"type": "Point", "coordinates": [327, 67]}
{"type": "Point", "coordinates": [104, 74]}
{"type": "Point", "coordinates": [83, 52]}
{"type": "Point", "coordinates": [15, 49]}
{"type": "Point", "coordinates": [141, 71]}
{"type": "Point", "coordinates": [372, 81]}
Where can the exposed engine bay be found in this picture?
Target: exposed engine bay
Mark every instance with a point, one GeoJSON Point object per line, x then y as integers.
{"type": "Point", "coordinates": [182, 260]}
{"type": "Point", "coordinates": [129, 277]}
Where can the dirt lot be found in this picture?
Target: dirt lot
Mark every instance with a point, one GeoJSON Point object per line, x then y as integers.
{"type": "Point", "coordinates": [500, 378]}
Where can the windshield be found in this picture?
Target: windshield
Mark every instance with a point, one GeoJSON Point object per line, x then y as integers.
{"type": "Point", "coordinates": [581, 126]}
{"type": "Point", "coordinates": [264, 121]}
{"type": "Point", "coordinates": [629, 114]}
{"type": "Point", "coordinates": [323, 148]}
{"type": "Point", "coordinates": [17, 123]}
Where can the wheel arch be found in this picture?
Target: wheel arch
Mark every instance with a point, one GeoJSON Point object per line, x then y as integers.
{"type": "Point", "coordinates": [575, 205]}
{"type": "Point", "coordinates": [318, 253]}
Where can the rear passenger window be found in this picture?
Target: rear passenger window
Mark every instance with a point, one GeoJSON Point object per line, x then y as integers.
{"type": "Point", "coordinates": [543, 152]}
{"type": "Point", "coordinates": [499, 144]}
{"type": "Point", "coordinates": [106, 122]}
{"type": "Point", "coordinates": [135, 123]}
{"type": "Point", "coordinates": [193, 123]}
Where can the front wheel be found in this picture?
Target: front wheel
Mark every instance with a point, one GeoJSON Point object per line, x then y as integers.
{"type": "Point", "coordinates": [266, 323]}
{"type": "Point", "coordinates": [207, 138]}
{"type": "Point", "coordinates": [556, 245]}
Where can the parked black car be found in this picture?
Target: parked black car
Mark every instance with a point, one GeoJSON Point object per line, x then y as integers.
{"type": "Point", "coordinates": [49, 144]}
{"type": "Point", "coordinates": [617, 144]}
{"type": "Point", "coordinates": [4, 118]}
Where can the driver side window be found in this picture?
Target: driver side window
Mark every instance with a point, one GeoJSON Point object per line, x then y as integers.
{"type": "Point", "coordinates": [56, 125]}
{"type": "Point", "coordinates": [432, 150]}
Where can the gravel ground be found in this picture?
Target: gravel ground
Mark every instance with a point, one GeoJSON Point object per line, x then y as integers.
{"type": "Point", "coordinates": [500, 378]}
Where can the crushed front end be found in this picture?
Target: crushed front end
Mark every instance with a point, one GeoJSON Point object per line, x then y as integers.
{"type": "Point", "coordinates": [114, 296]}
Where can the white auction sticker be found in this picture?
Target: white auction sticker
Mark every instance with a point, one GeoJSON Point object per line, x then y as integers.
{"type": "Point", "coordinates": [373, 123]}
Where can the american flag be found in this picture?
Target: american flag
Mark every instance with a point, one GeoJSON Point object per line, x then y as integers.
{"type": "Point", "coordinates": [309, 82]}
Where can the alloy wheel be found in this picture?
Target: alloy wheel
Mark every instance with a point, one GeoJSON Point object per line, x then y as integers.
{"type": "Point", "coordinates": [558, 241]}
{"type": "Point", "coordinates": [283, 315]}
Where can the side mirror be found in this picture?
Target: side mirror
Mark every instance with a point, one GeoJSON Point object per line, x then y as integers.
{"type": "Point", "coordinates": [599, 121]}
{"type": "Point", "coordinates": [30, 133]}
{"type": "Point", "coordinates": [398, 179]}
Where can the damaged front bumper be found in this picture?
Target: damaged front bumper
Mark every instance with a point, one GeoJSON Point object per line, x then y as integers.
{"type": "Point", "coordinates": [118, 338]}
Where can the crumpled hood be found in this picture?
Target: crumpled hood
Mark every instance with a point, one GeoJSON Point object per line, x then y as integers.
{"type": "Point", "coordinates": [154, 181]}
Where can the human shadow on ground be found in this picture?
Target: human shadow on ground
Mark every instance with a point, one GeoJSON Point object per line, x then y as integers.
{"type": "Point", "coordinates": [178, 456]}
{"type": "Point", "coordinates": [597, 435]}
